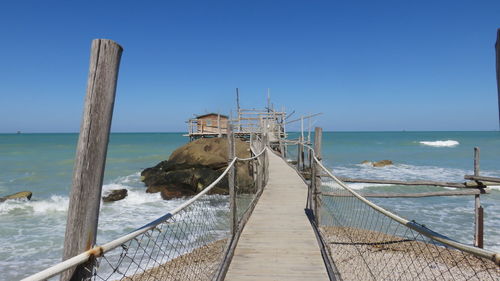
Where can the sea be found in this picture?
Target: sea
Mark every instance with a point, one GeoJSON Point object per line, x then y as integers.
{"type": "Point", "coordinates": [32, 232]}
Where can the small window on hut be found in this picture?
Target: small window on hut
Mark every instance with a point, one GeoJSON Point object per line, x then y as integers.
{"type": "Point", "coordinates": [209, 122]}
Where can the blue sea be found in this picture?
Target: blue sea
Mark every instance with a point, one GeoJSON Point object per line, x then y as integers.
{"type": "Point", "coordinates": [32, 232]}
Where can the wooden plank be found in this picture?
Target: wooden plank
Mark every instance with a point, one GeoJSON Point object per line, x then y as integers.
{"type": "Point", "coordinates": [278, 242]}
{"type": "Point", "coordinates": [231, 247]}
{"type": "Point", "coordinates": [88, 171]}
{"type": "Point", "coordinates": [410, 195]}
{"type": "Point", "coordinates": [399, 182]}
{"type": "Point", "coordinates": [482, 179]}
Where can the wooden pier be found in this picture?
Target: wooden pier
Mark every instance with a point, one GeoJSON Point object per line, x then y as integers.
{"type": "Point", "coordinates": [278, 242]}
{"type": "Point", "coordinates": [286, 232]}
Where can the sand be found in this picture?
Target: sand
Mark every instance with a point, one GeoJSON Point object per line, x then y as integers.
{"type": "Point", "coordinates": [369, 255]}
{"type": "Point", "coordinates": [200, 264]}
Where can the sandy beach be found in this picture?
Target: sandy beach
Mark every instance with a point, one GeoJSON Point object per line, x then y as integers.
{"type": "Point", "coordinates": [369, 255]}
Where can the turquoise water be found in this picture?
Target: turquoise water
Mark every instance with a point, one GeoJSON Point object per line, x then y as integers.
{"type": "Point", "coordinates": [32, 232]}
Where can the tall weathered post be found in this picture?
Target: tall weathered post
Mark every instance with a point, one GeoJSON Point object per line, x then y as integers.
{"type": "Point", "coordinates": [231, 178]}
{"type": "Point", "coordinates": [88, 171]}
{"type": "Point", "coordinates": [300, 153]}
{"type": "Point", "coordinates": [478, 209]}
{"type": "Point", "coordinates": [497, 51]}
{"type": "Point", "coordinates": [318, 135]}
{"type": "Point", "coordinates": [312, 180]}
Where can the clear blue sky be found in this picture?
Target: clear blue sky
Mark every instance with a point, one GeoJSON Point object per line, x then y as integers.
{"type": "Point", "coordinates": [367, 65]}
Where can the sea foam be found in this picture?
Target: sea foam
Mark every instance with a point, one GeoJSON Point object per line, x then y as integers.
{"type": "Point", "coordinates": [440, 143]}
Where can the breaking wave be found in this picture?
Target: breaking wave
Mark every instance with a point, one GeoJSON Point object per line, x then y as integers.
{"type": "Point", "coordinates": [440, 143]}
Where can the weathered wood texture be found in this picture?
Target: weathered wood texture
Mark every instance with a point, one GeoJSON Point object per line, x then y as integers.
{"type": "Point", "coordinates": [300, 154]}
{"type": "Point", "coordinates": [483, 179]}
{"type": "Point", "coordinates": [476, 161]}
{"type": "Point", "coordinates": [231, 177]}
{"type": "Point", "coordinates": [478, 209]}
{"type": "Point", "coordinates": [88, 172]}
{"type": "Point", "coordinates": [497, 51]}
{"type": "Point", "coordinates": [410, 195]}
{"type": "Point", "coordinates": [318, 138]}
{"type": "Point", "coordinates": [398, 182]}
{"type": "Point", "coordinates": [278, 242]}
{"type": "Point", "coordinates": [235, 238]}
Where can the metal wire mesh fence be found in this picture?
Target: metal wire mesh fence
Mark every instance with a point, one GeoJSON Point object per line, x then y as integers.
{"type": "Point", "coordinates": [187, 246]}
{"type": "Point", "coordinates": [367, 244]}
{"type": "Point", "coordinates": [189, 243]}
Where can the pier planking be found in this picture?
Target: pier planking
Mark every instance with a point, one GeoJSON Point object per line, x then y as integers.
{"type": "Point", "coordinates": [278, 242]}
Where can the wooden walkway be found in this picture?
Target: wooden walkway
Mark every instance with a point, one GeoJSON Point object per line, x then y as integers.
{"type": "Point", "coordinates": [278, 242]}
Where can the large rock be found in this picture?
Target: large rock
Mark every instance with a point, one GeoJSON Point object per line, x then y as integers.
{"type": "Point", "coordinates": [115, 195]}
{"type": "Point", "coordinates": [18, 195]}
{"type": "Point", "coordinates": [382, 163]}
{"type": "Point", "coordinates": [193, 166]}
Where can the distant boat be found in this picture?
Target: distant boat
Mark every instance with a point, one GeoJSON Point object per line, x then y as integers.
{"type": "Point", "coordinates": [18, 132]}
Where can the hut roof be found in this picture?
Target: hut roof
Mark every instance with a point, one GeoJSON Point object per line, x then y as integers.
{"type": "Point", "coordinates": [208, 114]}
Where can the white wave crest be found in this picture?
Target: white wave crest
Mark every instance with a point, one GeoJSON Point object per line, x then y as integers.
{"type": "Point", "coordinates": [495, 187]}
{"type": "Point", "coordinates": [55, 203]}
{"type": "Point", "coordinates": [355, 186]}
{"type": "Point", "coordinates": [440, 143]}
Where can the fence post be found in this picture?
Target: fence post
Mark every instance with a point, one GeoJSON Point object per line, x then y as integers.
{"type": "Point", "coordinates": [318, 135]}
{"type": "Point", "coordinates": [90, 160]}
{"type": "Point", "coordinates": [300, 154]}
{"type": "Point", "coordinates": [312, 180]}
{"type": "Point", "coordinates": [497, 55]}
{"type": "Point", "coordinates": [478, 209]}
{"type": "Point", "coordinates": [231, 178]}
{"type": "Point", "coordinates": [255, 163]}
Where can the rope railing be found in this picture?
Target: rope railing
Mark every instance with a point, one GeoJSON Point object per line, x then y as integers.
{"type": "Point", "coordinates": [187, 243]}
{"type": "Point", "coordinates": [368, 242]}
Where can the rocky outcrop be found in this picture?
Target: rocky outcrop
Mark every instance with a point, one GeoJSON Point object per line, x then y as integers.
{"type": "Point", "coordinates": [18, 195]}
{"type": "Point", "coordinates": [115, 195]}
{"type": "Point", "coordinates": [381, 163]}
{"type": "Point", "coordinates": [194, 166]}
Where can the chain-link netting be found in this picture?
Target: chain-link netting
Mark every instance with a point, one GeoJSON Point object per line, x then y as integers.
{"type": "Point", "coordinates": [187, 246]}
{"type": "Point", "coordinates": [190, 243]}
{"type": "Point", "coordinates": [366, 244]}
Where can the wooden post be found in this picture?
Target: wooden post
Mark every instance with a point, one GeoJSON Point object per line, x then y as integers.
{"type": "Point", "coordinates": [318, 135]}
{"type": "Point", "coordinates": [312, 180]}
{"type": "Point", "coordinates": [302, 127]}
{"type": "Point", "coordinates": [218, 125]}
{"type": "Point", "coordinates": [280, 142]}
{"type": "Point", "coordinates": [231, 177]}
{"type": "Point", "coordinates": [309, 130]}
{"type": "Point", "coordinates": [478, 209]}
{"type": "Point", "coordinates": [497, 51]}
{"type": "Point", "coordinates": [300, 154]}
{"type": "Point", "coordinates": [88, 170]}
{"type": "Point", "coordinates": [476, 161]}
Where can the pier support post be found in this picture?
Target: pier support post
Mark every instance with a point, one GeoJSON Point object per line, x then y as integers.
{"type": "Point", "coordinates": [88, 170]}
{"type": "Point", "coordinates": [318, 135]}
{"type": "Point", "coordinates": [312, 183]}
{"type": "Point", "coordinates": [231, 178]}
{"type": "Point", "coordinates": [478, 209]}
{"type": "Point", "coordinates": [300, 154]}
{"type": "Point", "coordinates": [497, 51]}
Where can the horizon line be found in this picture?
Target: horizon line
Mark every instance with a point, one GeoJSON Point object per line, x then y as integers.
{"type": "Point", "coordinates": [329, 131]}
